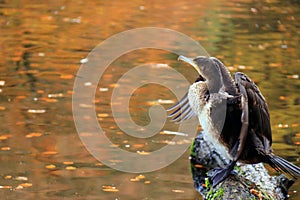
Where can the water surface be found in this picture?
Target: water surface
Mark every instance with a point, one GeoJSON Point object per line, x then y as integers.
{"type": "Point", "coordinates": [42, 44]}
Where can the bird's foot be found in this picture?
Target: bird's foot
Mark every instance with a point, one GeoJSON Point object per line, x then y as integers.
{"type": "Point", "coordinates": [220, 174]}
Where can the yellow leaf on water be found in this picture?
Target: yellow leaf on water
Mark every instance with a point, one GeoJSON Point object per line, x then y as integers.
{"type": "Point", "coordinates": [50, 166]}
{"type": "Point", "coordinates": [141, 177]}
{"type": "Point", "coordinates": [165, 101]}
{"type": "Point", "coordinates": [39, 111]}
{"type": "Point", "coordinates": [107, 188]}
{"type": "Point", "coordinates": [110, 190]}
{"type": "Point", "coordinates": [68, 163]}
{"type": "Point", "coordinates": [26, 185]}
{"type": "Point", "coordinates": [99, 164]}
{"type": "Point", "coordinates": [8, 177]}
{"type": "Point", "coordinates": [70, 168]}
{"type": "Point", "coordinates": [102, 115]}
{"type": "Point", "coordinates": [66, 76]}
{"type": "Point", "coordinates": [5, 137]}
{"type": "Point", "coordinates": [50, 100]}
{"type": "Point", "coordinates": [136, 146]}
{"type": "Point", "coordinates": [5, 187]}
{"type": "Point", "coordinates": [143, 152]}
{"type": "Point", "coordinates": [55, 95]}
{"type": "Point", "coordinates": [49, 152]}
{"type": "Point", "coordinates": [137, 178]}
{"type": "Point", "coordinates": [5, 148]}
{"type": "Point", "coordinates": [21, 178]}
{"type": "Point", "coordinates": [178, 191]}
{"type": "Point", "coordinates": [282, 98]}
{"type": "Point", "coordinates": [31, 135]}
{"type": "Point", "coordinates": [19, 187]}
{"type": "Point", "coordinates": [103, 89]}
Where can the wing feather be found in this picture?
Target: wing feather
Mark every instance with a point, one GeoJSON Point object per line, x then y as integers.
{"type": "Point", "coordinates": [181, 111]}
{"type": "Point", "coordinates": [259, 117]}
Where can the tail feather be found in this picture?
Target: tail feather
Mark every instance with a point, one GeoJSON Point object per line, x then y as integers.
{"type": "Point", "coordinates": [280, 164]}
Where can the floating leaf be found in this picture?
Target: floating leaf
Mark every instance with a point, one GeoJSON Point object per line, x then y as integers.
{"type": "Point", "coordinates": [50, 166]}
{"type": "Point", "coordinates": [103, 89]}
{"type": "Point", "coordinates": [41, 54]}
{"type": "Point", "coordinates": [5, 148]}
{"type": "Point", "coordinates": [66, 76]}
{"type": "Point", "coordinates": [294, 76]}
{"type": "Point", "coordinates": [143, 152]}
{"type": "Point", "coordinates": [8, 177]}
{"type": "Point", "coordinates": [167, 101]}
{"type": "Point", "coordinates": [107, 188]}
{"type": "Point", "coordinates": [173, 133]}
{"type": "Point", "coordinates": [57, 95]}
{"type": "Point", "coordinates": [39, 111]}
{"type": "Point", "coordinates": [282, 98]}
{"type": "Point", "coordinates": [134, 180]}
{"type": "Point", "coordinates": [178, 191]}
{"type": "Point", "coordinates": [159, 65]}
{"type": "Point", "coordinates": [21, 178]}
{"type": "Point", "coordinates": [5, 187]}
{"type": "Point", "coordinates": [84, 60]}
{"type": "Point", "coordinates": [137, 178]}
{"type": "Point", "coordinates": [50, 100]}
{"type": "Point", "coordinates": [102, 115]}
{"type": "Point", "coordinates": [275, 64]}
{"type": "Point", "coordinates": [88, 84]}
{"type": "Point", "coordinates": [68, 163]}
{"type": "Point", "coordinates": [5, 137]}
{"type": "Point", "coordinates": [70, 168]}
{"type": "Point", "coordinates": [26, 185]}
{"type": "Point", "coordinates": [31, 135]}
{"type": "Point", "coordinates": [49, 152]}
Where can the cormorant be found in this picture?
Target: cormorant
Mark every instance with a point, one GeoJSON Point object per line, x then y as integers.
{"type": "Point", "coordinates": [233, 114]}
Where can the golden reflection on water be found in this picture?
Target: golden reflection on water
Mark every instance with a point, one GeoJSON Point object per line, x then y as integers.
{"type": "Point", "coordinates": [42, 45]}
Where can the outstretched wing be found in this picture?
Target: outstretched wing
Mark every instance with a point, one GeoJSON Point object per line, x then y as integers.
{"type": "Point", "coordinates": [259, 118]}
{"type": "Point", "coordinates": [181, 111]}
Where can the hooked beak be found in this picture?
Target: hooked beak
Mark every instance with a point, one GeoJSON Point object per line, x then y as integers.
{"type": "Point", "coordinates": [191, 62]}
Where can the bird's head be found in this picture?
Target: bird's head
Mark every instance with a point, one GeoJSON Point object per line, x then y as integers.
{"type": "Point", "coordinates": [208, 71]}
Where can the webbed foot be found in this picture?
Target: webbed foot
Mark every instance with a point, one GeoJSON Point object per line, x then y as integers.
{"type": "Point", "coordinates": [220, 174]}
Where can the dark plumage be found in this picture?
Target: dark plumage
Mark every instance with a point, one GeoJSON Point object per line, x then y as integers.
{"type": "Point", "coordinates": [233, 114]}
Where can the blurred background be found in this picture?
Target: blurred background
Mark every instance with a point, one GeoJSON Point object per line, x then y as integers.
{"type": "Point", "coordinates": [43, 45]}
